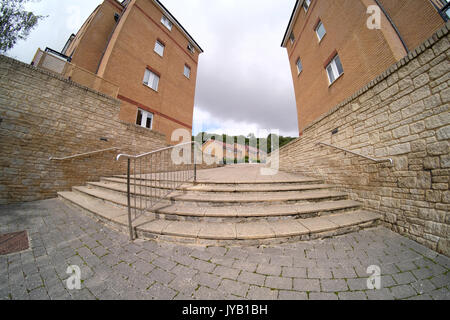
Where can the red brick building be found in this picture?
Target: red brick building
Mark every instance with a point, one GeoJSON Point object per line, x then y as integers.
{"type": "Point", "coordinates": [333, 53]}
{"type": "Point", "coordinates": [140, 46]}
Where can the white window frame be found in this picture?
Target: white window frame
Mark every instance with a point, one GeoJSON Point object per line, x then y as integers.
{"type": "Point", "coordinates": [306, 5]}
{"type": "Point", "coordinates": [187, 68]}
{"type": "Point", "coordinates": [333, 67]}
{"type": "Point", "coordinates": [299, 69]}
{"type": "Point", "coordinates": [292, 37]}
{"type": "Point", "coordinates": [166, 22]}
{"type": "Point", "coordinates": [145, 115]}
{"type": "Point", "coordinates": [159, 44]}
{"type": "Point", "coordinates": [191, 48]}
{"type": "Point", "coordinates": [151, 79]}
{"type": "Point", "coordinates": [320, 24]}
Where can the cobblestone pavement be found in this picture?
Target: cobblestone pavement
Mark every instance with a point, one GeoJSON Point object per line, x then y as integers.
{"type": "Point", "coordinates": [114, 268]}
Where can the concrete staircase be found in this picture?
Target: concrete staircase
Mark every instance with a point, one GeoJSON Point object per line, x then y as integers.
{"type": "Point", "coordinates": [229, 212]}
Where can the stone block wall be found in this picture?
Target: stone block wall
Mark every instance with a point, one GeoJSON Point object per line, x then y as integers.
{"type": "Point", "coordinates": [403, 114]}
{"type": "Point", "coordinates": [42, 116]}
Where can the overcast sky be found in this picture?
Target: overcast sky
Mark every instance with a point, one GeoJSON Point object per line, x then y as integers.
{"type": "Point", "coordinates": [244, 82]}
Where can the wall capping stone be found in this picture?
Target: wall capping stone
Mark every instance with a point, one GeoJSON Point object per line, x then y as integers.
{"type": "Point", "coordinates": [13, 61]}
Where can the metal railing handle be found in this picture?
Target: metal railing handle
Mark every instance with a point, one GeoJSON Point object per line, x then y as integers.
{"type": "Point", "coordinates": [357, 154]}
{"type": "Point", "coordinates": [82, 154]}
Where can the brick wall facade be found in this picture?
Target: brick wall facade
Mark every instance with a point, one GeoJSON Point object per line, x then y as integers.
{"type": "Point", "coordinates": [404, 115]}
{"type": "Point", "coordinates": [364, 53]}
{"type": "Point", "coordinates": [43, 116]}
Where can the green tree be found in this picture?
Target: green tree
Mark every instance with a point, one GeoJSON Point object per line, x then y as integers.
{"type": "Point", "coordinates": [15, 23]}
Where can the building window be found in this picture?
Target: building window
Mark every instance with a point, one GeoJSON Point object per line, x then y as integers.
{"type": "Point", "coordinates": [191, 48]}
{"type": "Point", "coordinates": [292, 38]}
{"type": "Point", "coordinates": [334, 69]}
{"type": "Point", "coordinates": [151, 79]}
{"type": "Point", "coordinates": [165, 21]}
{"type": "Point", "coordinates": [299, 66]}
{"type": "Point", "coordinates": [187, 71]}
{"type": "Point", "coordinates": [144, 119]}
{"type": "Point", "coordinates": [306, 5]}
{"type": "Point", "coordinates": [159, 48]}
{"type": "Point", "coordinates": [320, 31]}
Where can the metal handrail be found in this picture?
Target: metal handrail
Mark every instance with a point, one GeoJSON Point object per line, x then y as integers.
{"type": "Point", "coordinates": [146, 196]}
{"type": "Point", "coordinates": [82, 154]}
{"type": "Point", "coordinates": [153, 152]}
{"type": "Point", "coordinates": [357, 154]}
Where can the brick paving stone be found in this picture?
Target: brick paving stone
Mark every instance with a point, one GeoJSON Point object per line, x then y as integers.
{"type": "Point", "coordinates": [269, 270]}
{"type": "Point", "coordinates": [160, 292]}
{"type": "Point", "coordinates": [201, 255]}
{"type": "Point", "coordinates": [208, 280]}
{"type": "Point", "coordinates": [245, 265]}
{"type": "Point", "coordinates": [292, 295]}
{"type": "Point", "coordinates": [294, 272]}
{"type": "Point", "coordinates": [387, 281]}
{"type": "Point", "coordinates": [161, 276]}
{"type": "Point", "coordinates": [307, 285]}
{"type": "Point", "coordinates": [357, 295]}
{"type": "Point", "coordinates": [357, 284]}
{"type": "Point", "coordinates": [204, 293]}
{"type": "Point", "coordinates": [441, 280]}
{"type": "Point", "coordinates": [440, 294]}
{"type": "Point", "coordinates": [233, 287]}
{"type": "Point", "coordinates": [423, 286]}
{"type": "Point", "coordinates": [282, 261]}
{"type": "Point", "coordinates": [228, 273]}
{"type": "Point", "coordinates": [258, 293]}
{"type": "Point", "coordinates": [403, 291]}
{"type": "Point", "coordinates": [322, 296]}
{"type": "Point", "coordinates": [332, 285]}
{"type": "Point", "coordinates": [319, 273]}
{"type": "Point", "coordinates": [404, 278]}
{"type": "Point", "coordinates": [251, 278]}
{"type": "Point", "coordinates": [113, 268]}
{"type": "Point", "coordinates": [278, 283]}
{"type": "Point", "coordinates": [203, 266]}
{"type": "Point", "coordinates": [343, 272]}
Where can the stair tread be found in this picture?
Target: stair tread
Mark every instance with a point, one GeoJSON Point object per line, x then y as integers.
{"type": "Point", "coordinates": [219, 182]}
{"type": "Point", "coordinates": [258, 211]}
{"type": "Point", "coordinates": [222, 231]}
{"type": "Point", "coordinates": [208, 188]}
{"type": "Point", "coordinates": [264, 197]}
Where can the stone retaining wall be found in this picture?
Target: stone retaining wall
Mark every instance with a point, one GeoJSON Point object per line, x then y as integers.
{"type": "Point", "coordinates": [42, 116]}
{"type": "Point", "coordinates": [403, 115]}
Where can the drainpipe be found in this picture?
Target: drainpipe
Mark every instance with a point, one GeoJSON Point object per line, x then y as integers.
{"type": "Point", "coordinates": [392, 24]}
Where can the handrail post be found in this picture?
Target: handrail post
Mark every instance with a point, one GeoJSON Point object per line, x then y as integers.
{"type": "Point", "coordinates": [195, 164]}
{"type": "Point", "coordinates": [130, 226]}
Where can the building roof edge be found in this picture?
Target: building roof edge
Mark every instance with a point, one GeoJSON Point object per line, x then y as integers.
{"type": "Point", "coordinates": [294, 15]}
{"type": "Point", "coordinates": [174, 20]}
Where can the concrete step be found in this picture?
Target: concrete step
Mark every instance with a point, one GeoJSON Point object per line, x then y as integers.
{"type": "Point", "coordinates": [218, 187]}
{"type": "Point", "coordinates": [232, 182]}
{"type": "Point", "coordinates": [147, 226]}
{"type": "Point", "coordinates": [196, 212]}
{"type": "Point", "coordinates": [216, 199]}
{"type": "Point", "coordinates": [253, 213]}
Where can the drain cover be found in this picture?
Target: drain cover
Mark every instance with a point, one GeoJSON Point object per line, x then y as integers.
{"type": "Point", "coordinates": [13, 242]}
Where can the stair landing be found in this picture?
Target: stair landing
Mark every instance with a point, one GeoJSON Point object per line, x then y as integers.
{"type": "Point", "coordinates": [230, 205]}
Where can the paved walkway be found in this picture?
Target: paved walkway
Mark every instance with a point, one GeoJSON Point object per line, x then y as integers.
{"type": "Point", "coordinates": [113, 268]}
